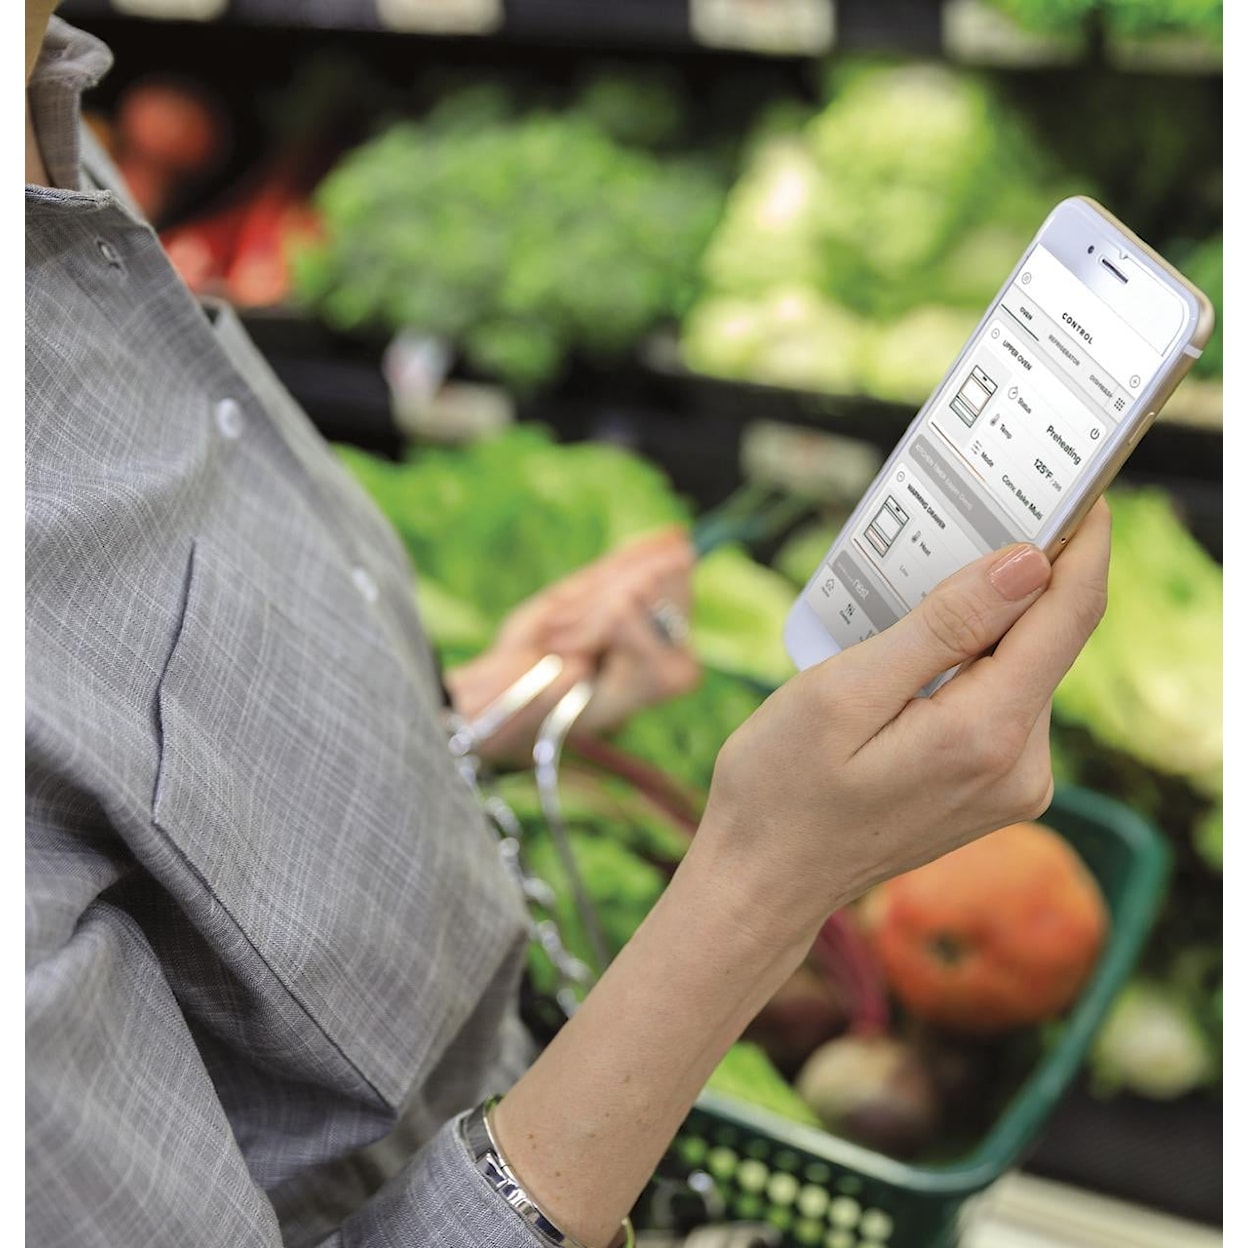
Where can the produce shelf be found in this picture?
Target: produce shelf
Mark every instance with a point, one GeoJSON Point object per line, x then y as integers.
{"type": "Point", "coordinates": [1162, 1155]}
{"type": "Point", "coordinates": [966, 31]}
{"type": "Point", "coordinates": [692, 425]}
{"type": "Point", "coordinates": [801, 27]}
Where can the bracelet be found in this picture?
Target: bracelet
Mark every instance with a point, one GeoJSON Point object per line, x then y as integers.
{"type": "Point", "coordinates": [490, 1163]}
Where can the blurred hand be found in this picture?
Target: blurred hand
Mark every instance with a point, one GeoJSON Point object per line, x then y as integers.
{"type": "Point", "coordinates": [843, 778]}
{"type": "Point", "coordinates": [607, 618]}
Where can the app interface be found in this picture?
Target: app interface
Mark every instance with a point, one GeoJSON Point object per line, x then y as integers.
{"type": "Point", "coordinates": [1020, 423]}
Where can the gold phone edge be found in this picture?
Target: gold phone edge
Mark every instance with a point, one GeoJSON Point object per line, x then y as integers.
{"type": "Point", "coordinates": [1167, 384]}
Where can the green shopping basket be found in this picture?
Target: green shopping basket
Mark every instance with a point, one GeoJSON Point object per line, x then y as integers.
{"type": "Point", "coordinates": [824, 1192]}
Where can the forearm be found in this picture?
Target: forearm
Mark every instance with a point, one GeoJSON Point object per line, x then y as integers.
{"type": "Point", "coordinates": [909, 779]}
{"type": "Point", "coordinates": [586, 1126]}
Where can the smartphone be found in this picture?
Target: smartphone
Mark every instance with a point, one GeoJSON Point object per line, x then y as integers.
{"type": "Point", "coordinates": [1068, 367]}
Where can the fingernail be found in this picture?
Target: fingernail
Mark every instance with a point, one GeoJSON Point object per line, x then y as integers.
{"type": "Point", "coordinates": [1020, 573]}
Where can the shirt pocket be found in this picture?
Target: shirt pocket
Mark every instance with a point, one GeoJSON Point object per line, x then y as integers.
{"type": "Point", "coordinates": [311, 792]}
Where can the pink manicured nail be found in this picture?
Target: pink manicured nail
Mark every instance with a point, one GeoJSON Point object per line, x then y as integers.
{"type": "Point", "coordinates": [1020, 573]}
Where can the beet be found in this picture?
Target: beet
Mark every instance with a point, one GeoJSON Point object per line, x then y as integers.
{"type": "Point", "coordinates": [875, 1090]}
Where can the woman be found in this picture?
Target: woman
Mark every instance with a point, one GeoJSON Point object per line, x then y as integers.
{"type": "Point", "coordinates": [273, 959]}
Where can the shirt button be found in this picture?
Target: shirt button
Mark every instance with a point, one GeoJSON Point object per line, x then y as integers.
{"type": "Point", "coordinates": [109, 252]}
{"type": "Point", "coordinates": [229, 418]}
{"type": "Point", "coordinates": [365, 583]}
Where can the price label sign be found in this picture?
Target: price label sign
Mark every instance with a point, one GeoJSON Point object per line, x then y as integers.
{"type": "Point", "coordinates": [977, 33]}
{"type": "Point", "coordinates": [774, 27]}
{"type": "Point", "coordinates": [809, 462]}
{"type": "Point", "coordinates": [172, 10]}
{"type": "Point", "coordinates": [442, 17]}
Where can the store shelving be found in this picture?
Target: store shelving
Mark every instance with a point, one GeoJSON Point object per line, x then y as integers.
{"type": "Point", "coordinates": [1158, 1155]}
{"type": "Point", "coordinates": [968, 31]}
{"type": "Point", "coordinates": [695, 425]}
{"type": "Point", "coordinates": [803, 27]}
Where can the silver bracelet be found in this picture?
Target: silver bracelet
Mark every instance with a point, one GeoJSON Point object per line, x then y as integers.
{"type": "Point", "coordinates": [490, 1163]}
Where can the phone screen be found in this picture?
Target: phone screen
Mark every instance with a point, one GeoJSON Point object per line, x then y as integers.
{"type": "Point", "coordinates": [1027, 414]}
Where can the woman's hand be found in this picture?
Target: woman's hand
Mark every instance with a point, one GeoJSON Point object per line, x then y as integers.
{"type": "Point", "coordinates": [840, 779]}
{"type": "Point", "coordinates": [843, 778]}
{"type": "Point", "coordinates": [608, 618]}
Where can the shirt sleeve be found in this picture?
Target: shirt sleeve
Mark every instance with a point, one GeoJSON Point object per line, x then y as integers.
{"type": "Point", "coordinates": [439, 1198]}
{"type": "Point", "coordinates": [127, 1141]}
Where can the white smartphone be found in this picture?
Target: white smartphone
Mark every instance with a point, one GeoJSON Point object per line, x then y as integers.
{"type": "Point", "coordinates": [1071, 363]}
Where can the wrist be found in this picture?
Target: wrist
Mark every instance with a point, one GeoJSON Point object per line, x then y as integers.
{"type": "Point", "coordinates": [776, 909]}
{"type": "Point", "coordinates": [492, 1164]}
{"type": "Point", "coordinates": [585, 1126]}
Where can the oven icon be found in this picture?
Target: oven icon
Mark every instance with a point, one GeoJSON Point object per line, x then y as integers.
{"type": "Point", "coordinates": [973, 397]}
{"type": "Point", "coordinates": [886, 524]}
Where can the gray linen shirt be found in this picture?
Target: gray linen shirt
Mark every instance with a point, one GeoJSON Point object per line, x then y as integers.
{"type": "Point", "coordinates": [270, 950]}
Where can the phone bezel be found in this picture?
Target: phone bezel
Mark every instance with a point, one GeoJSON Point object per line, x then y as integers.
{"type": "Point", "coordinates": [1067, 232]}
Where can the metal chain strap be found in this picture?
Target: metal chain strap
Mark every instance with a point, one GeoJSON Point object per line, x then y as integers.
{"type": "Point", "coordinates": [755, 511]}
{"type": "Point", "coordinates": [572, 976]}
